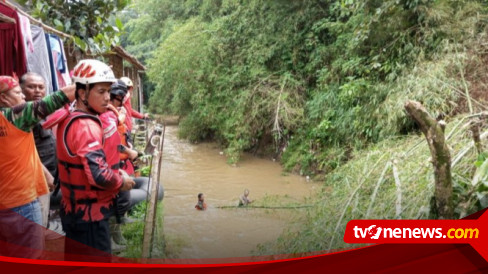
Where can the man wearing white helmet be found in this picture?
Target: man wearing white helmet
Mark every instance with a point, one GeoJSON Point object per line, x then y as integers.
{"type": "Point", "coordinates": [88, 184]}
{"type": "Point", "coordinates": [128, 106]}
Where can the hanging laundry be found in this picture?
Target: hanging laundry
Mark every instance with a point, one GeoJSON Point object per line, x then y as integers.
{"type": "Point", "coordinates": [12, 55]}
{"type": "Point", "coordinates": [52, 62]}
{"type": "Point", "coordinates": [26, 33]}
{"type": "Point", "coordinates": [7, 35]}
{"type": "Point", "coordinates": [59, 60]}
{"type": "Point", "coordinates": [65, 71]}
{"type": "Point", "coordinates": [38, 60]}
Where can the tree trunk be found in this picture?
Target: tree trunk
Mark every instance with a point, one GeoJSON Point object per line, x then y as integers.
{"type": "Point", "coordinates": [441, 158]}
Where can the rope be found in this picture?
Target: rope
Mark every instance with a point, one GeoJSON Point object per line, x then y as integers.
{"type": "Point", "coordinates": [266, 207]}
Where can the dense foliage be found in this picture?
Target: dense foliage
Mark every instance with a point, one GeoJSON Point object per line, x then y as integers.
{"type": "Point", "coordinates": [91, 22]}
{"type": "Point", "coordinates": [321, 84]}
{"type": "Point", "coordinates": [318, 78]}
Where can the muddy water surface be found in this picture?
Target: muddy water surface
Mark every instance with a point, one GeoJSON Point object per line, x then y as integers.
{"type": "Point", "coordinates": [218, 233]}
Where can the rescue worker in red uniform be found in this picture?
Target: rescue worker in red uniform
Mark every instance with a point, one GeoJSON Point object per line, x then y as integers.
{"type": "Point", "coordinates": [114, 118]}
{"type": "Point", "coordinates": [139, 192]}
{"type": "Point", "coordinates": [113, 130]}
{"type": "Point", "coordinates": [128, 105]}
{"type": "Point", "coordinates": [88, 184]}
{"type": "Point", "coordinates": [117, 149]}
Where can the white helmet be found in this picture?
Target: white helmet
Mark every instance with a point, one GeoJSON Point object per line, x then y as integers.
{"type": "Point", "coordinates": [127, 81]}
{"type": "Point", "coordinates": [91, 71]}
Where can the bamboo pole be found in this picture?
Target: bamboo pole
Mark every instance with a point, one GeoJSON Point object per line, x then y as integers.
{"type": "Point", "coordinates": [373, 197]}
{"type": "Point", "coordinates": [398, 203]}
{"type": "Point", "coordinates": [6, 19]}
{"type": "Point", "coordinates": [466, 149]}
{"type": "Point", "coordinates": [352, 197]}
{"type": "Point", "coordinates": [155, 189]}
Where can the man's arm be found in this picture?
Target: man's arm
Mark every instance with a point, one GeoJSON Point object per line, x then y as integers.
{"type": "Point", "coordinates": [138, 115]}
{"type": "Point", "coordinates": [49, 178]}
{"type": "Point", "coordinates": [27, 115]}
{"type": "Point", "coordinates": [133, 154]}
{"type": "Point", "coordinates": [133, 113]}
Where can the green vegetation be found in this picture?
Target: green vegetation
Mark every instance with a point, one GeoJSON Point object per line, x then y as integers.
{"type": "Point", "coordinates": [133, 233]}
{"type": "Point", "coordinates": [319, 78]}
{"type": "Point", "coordinates": [366, 188]}
{"type": "Point", "coordinates": [92, 23]}
{"type": "Point", "coordinates": [162, 246]}
{"type": "Point", "coordinates": [321, 85]}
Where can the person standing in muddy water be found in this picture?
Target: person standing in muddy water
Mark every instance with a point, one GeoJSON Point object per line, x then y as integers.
{"type": "Point", "coordinates": [244, 199]}
{"type": "Point", "coordinates": [201, 205]}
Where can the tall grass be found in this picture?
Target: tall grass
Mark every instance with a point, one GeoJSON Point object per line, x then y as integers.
{"type": "Point", "coordinates": [134, 233]}
{"type": "Point", "coordinates": [365, 188]}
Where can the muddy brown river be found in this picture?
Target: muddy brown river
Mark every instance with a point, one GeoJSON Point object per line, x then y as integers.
{"type": "Point", "coordinates": [188, 169]}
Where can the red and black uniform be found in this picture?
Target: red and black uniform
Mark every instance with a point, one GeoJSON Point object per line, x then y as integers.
{"type": "Point", "coordinates": [88, 184]}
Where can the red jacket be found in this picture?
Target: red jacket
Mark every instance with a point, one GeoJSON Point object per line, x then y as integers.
{"type": "Point", "coordinates": [110, 121]}
{"type": "Point", "coordinates": [131, 113]}
{"type": "Point", "coordinates": [88, 184]}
